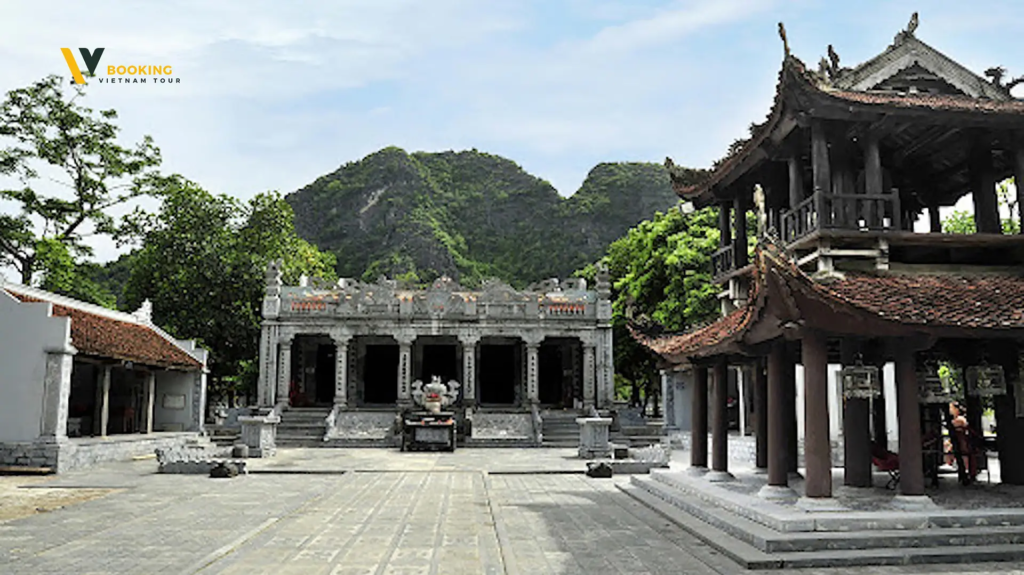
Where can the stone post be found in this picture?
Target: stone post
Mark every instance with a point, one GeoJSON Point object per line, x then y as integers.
{"type": "Point", "coordinates": [699, 420]}
{"type": "Point", "coordinates": [284, 371]}
{"type": "Point", "coordinates": [532, 373]}
{"type": "Point", "coordinates": [105, 400]}
{"type": "Point", "coordinates": [150, 394]}
{"type": "Point", "coordinates": [720, 423]}
{"type": "Point", "coordinates": [341, 371]}
{"type": "Point", "coordinates": [469, 343]}
{"type": "Point", "coordinates": [56, 392]}
{"type": "Point", "coordinates": [589, 376]}
{"type": "Point", "coordinates": [817, 446]}
{"type": "Point", "coordinates": [911, 459]}
{"type": "Point", "coordinates": [405, 370]}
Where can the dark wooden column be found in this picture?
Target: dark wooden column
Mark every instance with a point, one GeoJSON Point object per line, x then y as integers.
{"type": "Point", "coordinates": [789, 411]}
{"type": "Point", "coordinates": [1018, 170]}
{"type": "Point", "coordinates": [856, 429]}
{"type": "Point", "coordinates": [778, 467]}
{"type": "Point", "coordinates": [817, 446]}
{"type": "Point", "coordinates": [724, 227]}
{"type": "Point", "coordinates": [873, 182]}
{"type": "Point", "coordinates": [934, 221]}
{"type": "Point", "coordinates": [819, 158]}
{"type": "Point", "coordinates": [1011, 428]}
{"type": "Point", "coordinates": [720, 418]}
{"type": "Point", "coordinates": [796, 180]}
{"type": "Point", "coordinates": [740, 243]}
{"type": "Point", "coordinates": [699, 419]}
{"type": "Point", "coordinates": [983, 184]}
{"type": "Point", "coordinates": [760, 415]}
{"type": "Point", "coordinates": [909, 415]}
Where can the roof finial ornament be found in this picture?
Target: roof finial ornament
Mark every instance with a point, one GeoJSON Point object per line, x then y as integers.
{"type": "Point", "coordinates": [785, 41]}
{"type": "Point", "coordinates": [912, 25]}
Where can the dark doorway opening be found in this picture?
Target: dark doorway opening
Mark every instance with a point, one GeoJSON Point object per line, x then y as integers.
{"type": "Point", "coordinates": [380, 374]}
{"type": "Point", "coordinates": [497, 380]}
{"type": "Point", "coordinates": [439, 360]}
{"type": "Point", "coordinates": [559, 372]}
{"type": "Point", "coordinates": [325, 373]}
{"type": "Point", "coordinates": [550, 375]}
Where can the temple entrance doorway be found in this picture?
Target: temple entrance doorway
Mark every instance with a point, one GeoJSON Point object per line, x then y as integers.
{"type": "Point", "coordinates": [438, 359]}
{"type": "Point", "coordinates": [559, 372]}
{"type": "Point", "coordinates": [500, 367]}
{"type": "Point", "coordinates": [379, 384]}
{"type": "Point", "coordinates": [313, 371]}
{"type": "Point", "coordinates": [325, 373]}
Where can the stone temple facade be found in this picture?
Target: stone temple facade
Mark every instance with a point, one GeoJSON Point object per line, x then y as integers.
{"type": "Point", "coordinates": [353, 351]}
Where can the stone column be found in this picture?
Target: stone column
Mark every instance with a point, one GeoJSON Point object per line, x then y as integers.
{"type": "Point", "coordinates": [604, 384]}
{"type": "Point", "coordinates": [469, 370]}
{"type": "Point", "coordinates": [911, 459]}
{"type": "Point", "coordinates": [341, 370]}
{"type": "Point", "coordinates": [284, 371]}
{"type": "Point", "coordinates": [720, 423]}
{"type": "Point", "coordinates": [760, 416]}
{"type": "Point", "coordinates": [699, 420]}
{"type": "Point", "coordinates": [589, 376]}
{"type": "Point", "coordinates": [817, 446]}
{"type": "Point", "coordinates": [56, 392]}
{"type": "Point", "coordinates": [532, 373]}
{"type": "Point", "coordinates": [267, 387]}
{"type": "Point", "coordinates": [105, 400]}
{"type": "Point", "coordinates": [405, 370]}
{"type": "Point", "coordinates": [150, 395]}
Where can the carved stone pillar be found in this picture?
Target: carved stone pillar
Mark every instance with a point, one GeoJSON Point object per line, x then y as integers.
{"type": "Point", "coordinates": [469, 344]}
{"type": "Point", "coordinates": [267, 387]}
{"type": "Point", "coordinates": [341, 370]}
{"type": "Point", "coordinates": [284, 371]}
{"type": "Point", "coordinates": [532, 372]}
{"type": "Point", "coordinates": [405, 371]}
{"type": "Point", "coordinates": [589, 376]}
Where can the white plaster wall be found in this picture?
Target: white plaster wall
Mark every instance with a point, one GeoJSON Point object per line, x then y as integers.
{"type": "Point", "coordinates": [26, 333]}
{"type": "Point", "coordinates": [892, 429]}
{"type": "Point", "coordinates": [173, 383]}
{"type": "Point", "coordinates": [799, 402]}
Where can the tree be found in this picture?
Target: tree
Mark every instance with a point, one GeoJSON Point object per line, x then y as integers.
{"type": "Point", "coordinates": [661, 276]}
{"type": "Point", "coordinates": [50, 137]}
{"type": "Point", "coordinates": [962, 222]}
{"type": "Point", "coordinates": [201, 263]}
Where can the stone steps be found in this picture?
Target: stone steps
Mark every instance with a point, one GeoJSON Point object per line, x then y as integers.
{"type": "Point", "coordinates": [755, 545]}
{"type": "Point", "coordinates": [302, 427]}
{"type": "Point", "coordinates": [560, 429]}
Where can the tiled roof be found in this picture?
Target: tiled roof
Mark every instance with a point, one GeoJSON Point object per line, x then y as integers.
{"type": "Point", "coordinates": [95, 334]}
{"type": "Point", "coordinates": [993, 302]}
{"type": "Point", "coordinates": [681, 345]}
{"type": "Point", "coordinates": [943, 102]}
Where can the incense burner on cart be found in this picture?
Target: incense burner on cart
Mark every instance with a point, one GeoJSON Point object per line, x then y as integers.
{"type": "Point", "coordinates": [431, 428]}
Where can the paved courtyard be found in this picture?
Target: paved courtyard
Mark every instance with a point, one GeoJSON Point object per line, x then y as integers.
{"type": "Point", "coordinates": [365, 511]}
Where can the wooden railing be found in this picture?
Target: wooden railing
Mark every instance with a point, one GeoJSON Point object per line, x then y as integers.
{"type": "Point", "coordinates": [722, 262]}
{"type": "Point", "coordinates": [855, 212]}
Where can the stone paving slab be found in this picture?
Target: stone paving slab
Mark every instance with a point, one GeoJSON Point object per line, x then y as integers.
{"type": "Point", "coordinates": [414, 517]}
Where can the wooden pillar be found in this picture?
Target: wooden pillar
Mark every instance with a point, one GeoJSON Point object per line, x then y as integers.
{"type": "Point", "coordinates": [778, 456]}
{"type": "Point", "coordinates": [796, 181]}
{"type": "Point", "coordinates": [856, 429]}
{"type": "Point", "coordinates": [983, 184]}
{"type": "Point", "coordinates": [1018, 170]}
{"type": "Point", "coordinates": [720, 418]}
{"type": "Point", "coordinates": [699, 419]}
{"type": "Point", "coordinates": [150, 394]}
{"type": "Point", "coordinates": [817, 446]}
{"type": "Point", "coordinates": [789, 412]}
{"type": "Point", "coordinates": [724, 227]}
{"type": "Point", "coordinates": [819, 158]}
{"type": "Point", "coordinates": [760, 415]}
{"type": "Point", "coordinates": [909, 413]}
{"type": "Point", "coordinates": [1011, 427]}
{"type": "Point", "coordinates": [740, 243]}
{"type": "Point", "coordinates": [934, 221]}
{"type": "Point", "coordinates": [873, 181]}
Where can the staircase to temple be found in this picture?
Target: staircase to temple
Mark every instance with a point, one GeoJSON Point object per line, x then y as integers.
{"type": "Point", "coordinates": [560, 428]}
{"type": "Point", "coordinates": [302, 427]}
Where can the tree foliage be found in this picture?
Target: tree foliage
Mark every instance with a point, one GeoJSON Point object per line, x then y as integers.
{"type": "Point", "coordinates": [49, 137]}
{"type": "Point", "coordinates": [201, 263]}
{"type": "Point", "coordinates": [661, 277]}
{"type": "Point", "coordinates": [962, 222]}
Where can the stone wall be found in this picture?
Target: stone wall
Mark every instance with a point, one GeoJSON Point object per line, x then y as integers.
{"type": "Point", "coordinates": [363, 426]}
{"type": "Point", "coordinates": [75, 453]}
{"type": "Point", "coordinates": [512, 426]}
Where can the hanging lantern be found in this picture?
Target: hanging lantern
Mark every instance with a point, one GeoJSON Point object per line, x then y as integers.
{"type": "Point", "coordinates": [860, 381]}
{"type": "Point", "coordinates": [986, 380]}
{"type": "Point", "coordinates": [931, 386]}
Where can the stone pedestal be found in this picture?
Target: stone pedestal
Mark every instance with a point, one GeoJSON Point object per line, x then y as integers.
{"type": "Point", "coordinates": [259, 432]}
{"type": "Point", "coordinates": [594, 437]}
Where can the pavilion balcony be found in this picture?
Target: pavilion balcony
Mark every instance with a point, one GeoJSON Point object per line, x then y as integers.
{"type": "Point", "coordinates": [848, 212]}
{"type": "Point", "coordinates": [723, 263]}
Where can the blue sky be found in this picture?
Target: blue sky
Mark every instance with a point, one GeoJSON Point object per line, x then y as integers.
{"type": "Point", "coordinates": [275, 94]}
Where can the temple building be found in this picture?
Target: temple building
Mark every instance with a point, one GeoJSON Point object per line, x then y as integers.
{"type": "Point", "coordinates": [340, 360]}
{"type": "Point", "coordinates": [83, 384]}
{"type": "Point", "coordinates": [846, 162]}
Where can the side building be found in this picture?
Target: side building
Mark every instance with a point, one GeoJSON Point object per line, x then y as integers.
{"type": "Point", "coordinates": [84, 384]}
{"type": "Point", "coordinates": [342, 359]}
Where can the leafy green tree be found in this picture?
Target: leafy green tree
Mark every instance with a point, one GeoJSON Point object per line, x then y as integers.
{"type": "Point", "coordinates": [47, 136]}
{"type": "Point", "coordinates": [201, 263]}
{"type": "Point", "coordinates": [661, 279]}
{"type": "Point", "coordinates": [962, 222]}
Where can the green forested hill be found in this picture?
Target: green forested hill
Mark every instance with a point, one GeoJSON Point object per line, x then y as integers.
{"type": "Point", "coordinates": [470, 215]}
